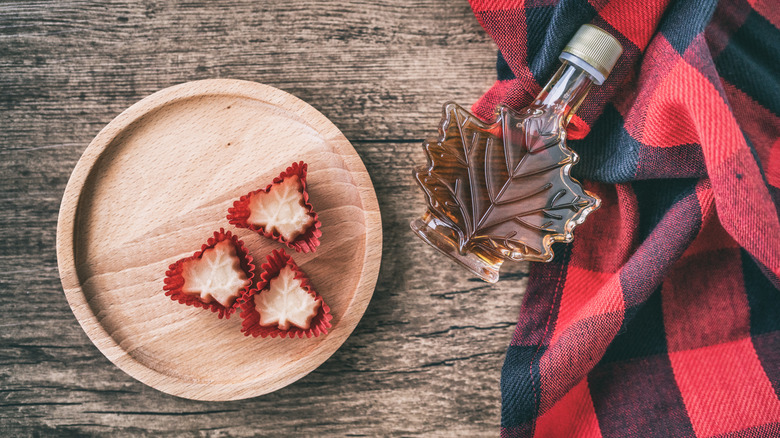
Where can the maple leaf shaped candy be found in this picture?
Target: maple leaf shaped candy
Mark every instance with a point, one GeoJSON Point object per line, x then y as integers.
{"type": "Point", "coordinates": [281, 211]}
{"type": "Point", "coordinates": [214, 277]}
{"type": "Point", "coordinates": [503, 189]}
{"type": "Point", "coordinates": [283, 303]}
{"type": "Point", "coordinates": [286, 303]}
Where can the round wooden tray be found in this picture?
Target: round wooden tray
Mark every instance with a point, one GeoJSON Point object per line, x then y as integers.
{"type": "Point", "coordinates": [153, 186]}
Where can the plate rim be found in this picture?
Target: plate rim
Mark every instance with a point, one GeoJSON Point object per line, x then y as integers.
{"type": "Point", "coordinates": [68, 214]}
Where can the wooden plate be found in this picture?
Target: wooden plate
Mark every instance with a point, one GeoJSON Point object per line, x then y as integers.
{"type": "Point", "coordinates": [153, 186]}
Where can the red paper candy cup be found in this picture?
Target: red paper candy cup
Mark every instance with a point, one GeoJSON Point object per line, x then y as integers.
{"type": "Point", "coordinates": [250, 325]}
{"type": "Point", "coordinates": [238, 215]}
{"type": "Point", "coordinates": [174, 281]}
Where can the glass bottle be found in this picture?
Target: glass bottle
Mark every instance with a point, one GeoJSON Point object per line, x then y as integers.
{"type": "Point", "coordinates": [503, 191]}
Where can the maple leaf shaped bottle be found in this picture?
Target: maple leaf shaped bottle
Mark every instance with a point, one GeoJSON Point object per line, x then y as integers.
{"type": "Point", "coordinates": [503, 191]}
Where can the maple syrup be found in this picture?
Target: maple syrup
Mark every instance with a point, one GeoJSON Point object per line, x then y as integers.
{"type": "Point", "coordinates": [503, 191]}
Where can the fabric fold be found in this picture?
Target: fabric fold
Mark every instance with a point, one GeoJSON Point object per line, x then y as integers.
{"type": "Point", "coordinates": [663, 317]}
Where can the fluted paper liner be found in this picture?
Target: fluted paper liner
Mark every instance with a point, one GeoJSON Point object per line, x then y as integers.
{"type": "Point", "coordinates": [238, 215]}
{"type": "Point", "coordinates": [174, 281]}
{"type": "Point", "coordinates": [250, 325]}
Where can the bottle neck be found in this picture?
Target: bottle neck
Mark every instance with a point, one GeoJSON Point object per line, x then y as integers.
{"type": "Point", "coordinates": [566, 90]}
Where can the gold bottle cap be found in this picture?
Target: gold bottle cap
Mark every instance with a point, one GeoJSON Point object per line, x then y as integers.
{"type": "Point", "coordinates": [596, 47]}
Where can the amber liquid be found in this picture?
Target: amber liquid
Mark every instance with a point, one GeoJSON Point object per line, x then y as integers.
{"type": "Point", "coordinates": [502, 191]}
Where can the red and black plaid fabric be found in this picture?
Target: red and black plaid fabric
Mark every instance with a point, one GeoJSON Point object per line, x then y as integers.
{"type": "Point", "coordinates": [662, 319]}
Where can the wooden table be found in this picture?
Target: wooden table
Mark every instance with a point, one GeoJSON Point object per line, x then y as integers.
{"type": "Point", "coordinates": [427, 356]}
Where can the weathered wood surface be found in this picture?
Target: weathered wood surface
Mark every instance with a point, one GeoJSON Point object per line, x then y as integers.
{"type": "Point", "coordinates": [426, 358]}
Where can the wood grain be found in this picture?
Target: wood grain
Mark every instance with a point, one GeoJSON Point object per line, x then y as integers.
{"type": "Point", "coordinates": [157, 181]}
{"type": "Point", "coordinates": [425, 359]}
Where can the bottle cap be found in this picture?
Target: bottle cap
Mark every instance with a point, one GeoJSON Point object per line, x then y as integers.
{"type": "Point", "coordinates": [598, 49]}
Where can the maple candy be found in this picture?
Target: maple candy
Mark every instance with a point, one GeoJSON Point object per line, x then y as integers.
{"type": "Point", "coordinates": [214, 277]}
{"type": "Point", "coordinates": [503, 190]}
{"type": "Point", "coordinates": [281, 211]}
{"type": "Point", "coordinates": [283, 303]}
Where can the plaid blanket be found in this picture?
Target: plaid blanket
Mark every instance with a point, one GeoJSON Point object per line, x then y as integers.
{"type": "Point", "coordinates": [663, 317]}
